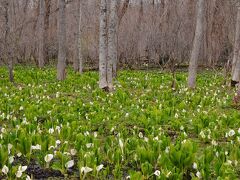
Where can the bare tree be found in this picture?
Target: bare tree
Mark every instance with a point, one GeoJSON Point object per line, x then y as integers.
{"type": "Point", "coordinates": [78, 62]}
{"type": "Point", "coordinates": [46, 28]}
{"type": "Point", "coordinates": [112, 44]}
{"type": "Point", "coordinates": [61, 66]}
{"type": "Point", "coordinates": [8, 38]}
{"type": "Point", "coordinates": [236, 51]}
{"type": "Point", "coordinates": [192, 73]}
{"type": "Point", "coordinates": [41, 50]}
{"type": "Point", "coordinates": [107, 44]}
{"type": "Point", "coordinates": [103, 46]}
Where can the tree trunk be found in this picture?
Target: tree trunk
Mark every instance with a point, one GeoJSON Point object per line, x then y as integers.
{"type": "Point", "coordinates": [192, 72]}
{"type": "Point", "coordinates": [236, 60]}
{"type": "Point", "coordinates": [41, 50]}
{"type": "Point", "coordinates": [61, 66]}
{"type": "Point", "coordinates": [112, 44]}
{"type": "Point", "coordinates": [46, 28]}
{"type": "Point", "coordinates": [78, 63]}
{"type": "Point", "coordinates": [103, 46]}
{"type": "Point", "coordinates": [8, 34]}
{"type": "Point", "coordinates": [210, 18]}
{"type": "Point", "coordinates": [123, 10]}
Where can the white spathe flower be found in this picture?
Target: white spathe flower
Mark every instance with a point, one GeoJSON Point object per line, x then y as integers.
{"type": "Point", "coordinates": [51, 147]}
{"type": "Point", "coordinates": [58, 128]}
{"type": "Point", "coordinates": [98, 168]}
{"type": "Point", "coordinates": [86, 133]}
{"type": "Point", "coordinates": [198, 174]}
{"type": "Point", "coordinates": [214, 143]}
{"type": "Point", "coordinates": [168, 174]}
{"type": "Point", "coordinates": [86, 170]}
{"type": "Point", "coordinates": [9, 148]}
{"type": "Point", "coordinates": [67, 153]}
{"type": "Point", "coordinates": [167, 149]}
{"type": "Point", "coordinates": [28, 177]}
{"type": "Point", "coordinates": [51, 130]}
{"type": "Point", "coordinates": [3, 130]}
{"type": "Point", "coordinates": [195, 165]}
{"type": "Point", "coordinates": [176, 116]}
{"type": "Point", "coordinates": [57, 95]}
{"type": "Point", "coordinates": [22, 168]}
{"type": "Point", "coordinates": [181, 128]}
{"type": "Point", "coordinates": [18, 174]}
{"type": "Point", "coordinates": [146, 139]}
{"type": "Point", "coordinates": [89, 145]}
{"type": "Point", "coordinates": [140, 134]}
{"type": "Point", "coordinates": [184, 141]}
{"type": "Point", "coordinates": [226, 135]}
{"type": "Point", "coordinates": [19, 154]}
{"type": "Point", "coordinates": [113, 128]}
{"type": "Point", "coordinates": [5, 170]}
{"type": "Point", "coordinates": [95, 134]}
{"type": "Point", "coordinates": [69, 164]}
{"type": "Point", "coordinates": [11, 159]}
{"type": "Point", "coordinates": [58, 142]}
{"type": "Point", "coordinates": [229, 162]}
{"type": "Point", "coordinates": [235, 162]}
{"type": "Point", "coordinates": [73, 152]}
{"type": "Point", "coordinates": [231, 133]}
{"type": "Point", "coordinates": [157, 173]}
{"type": "Point", "coordinates": [48, 158]}
{"type": "Point", "coordinates": [120, 143]}
{"type": "Point", "coordinates": [202, 135]}
{"type": "Point", "coordinates": [155, 138]}
{"type": "Point", "coordinates": [37, 147]}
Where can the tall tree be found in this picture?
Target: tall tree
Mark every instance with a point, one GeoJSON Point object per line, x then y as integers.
{"type": "Point", "coordinates": [103, 46]}
{"type": "Point", "coordinates": [46, 28]}
{"type": "Point", "coordinates": [9, 54]}
{"type": "Point", "coordinates": [78, 62]}
{"type": "Point", "coordinates": [112, 44]}
{"type": "Point", "coordinates": [236, 53]}
{"type": "Point", "coordinates": [119, 16]}
{"type": "Point", "coordinates": [61, 66]}
{"type": "Point", "coordinates": [193, 64]}
{"type": "Point", "coordinates": [107, 44]}
{"type": "Point", "coordinates": [41, 49]}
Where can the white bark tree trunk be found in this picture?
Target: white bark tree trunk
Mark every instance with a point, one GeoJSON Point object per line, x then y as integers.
{"type": "Point", "coordinates": [61, 66]}
{"type": "Point", "coordinates": [192, 72]}
{"type": "Point", "coordinates": [112, 44]}
{"type": "Point", "coordinates": [41, 49]}
{"type": "Point", "coordinates": [236, 58]}
{"type": "Point", "coordinates": [103, 46]}
{"type": "Point", "coordinates": [8, 13]}
{"type": "Point", "coordinates": [78, 62]}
